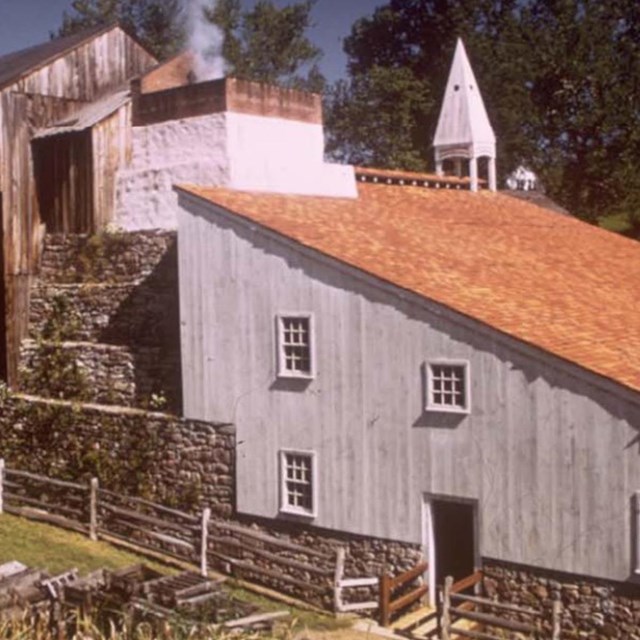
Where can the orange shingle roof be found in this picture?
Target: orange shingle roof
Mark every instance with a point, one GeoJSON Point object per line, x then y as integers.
{"type": "Point", "coordinates": [544, 278]}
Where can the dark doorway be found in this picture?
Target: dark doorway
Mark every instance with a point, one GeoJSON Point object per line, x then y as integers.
{"type": "Point", "coordinates": [454, 535]}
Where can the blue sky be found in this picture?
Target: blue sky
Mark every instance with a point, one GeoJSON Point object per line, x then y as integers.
{"type": "Point", "coordinates": [27, 22]}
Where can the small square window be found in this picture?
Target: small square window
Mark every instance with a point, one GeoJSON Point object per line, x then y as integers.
{"type": "Point", "coordinates": [297, 483]}
{"type": "Point", "coordinates": [448, 386]}
{"type": "Point", "coordinates": [295, 346]}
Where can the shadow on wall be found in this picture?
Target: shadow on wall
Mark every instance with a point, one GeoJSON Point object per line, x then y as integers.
{"type": "Point", "coordinates": [148, 323]}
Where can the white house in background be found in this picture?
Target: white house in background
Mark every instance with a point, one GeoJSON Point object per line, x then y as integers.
{"type": "Point", "coordinates": [420, 363]}
{"type": "Point", "coordinates": [522, 179]}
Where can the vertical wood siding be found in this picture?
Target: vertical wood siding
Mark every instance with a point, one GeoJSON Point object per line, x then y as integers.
{"type": "Point", "coordinates": [548, 455]}
{"type": "Point", "coordinates": [46, 95]}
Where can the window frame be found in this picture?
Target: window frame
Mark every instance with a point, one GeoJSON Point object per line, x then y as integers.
{"type": "Point", "coordinates": [285, 507]}
{"type": "Point", "coordinates": [430, 405]}
{"type": "Point", "coordinates": [283, 372]}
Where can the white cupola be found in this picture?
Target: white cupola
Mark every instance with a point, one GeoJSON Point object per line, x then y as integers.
{"type": "Point", "coordinates": [464, 131]}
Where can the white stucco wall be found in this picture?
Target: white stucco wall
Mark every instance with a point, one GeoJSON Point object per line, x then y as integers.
{"type": "Point", "coordinates": [283, 156]}
{"type": "Point", "coordinates": [190, 150]}
{"type": "Point", "coordinates": [245, 152]}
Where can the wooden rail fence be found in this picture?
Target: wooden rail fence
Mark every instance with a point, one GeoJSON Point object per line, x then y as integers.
{"type": "Point", "coordinates": [457, 605]}
{"type": "Point", "coordinates": [390, 605]}
{"type": "Point", "coordinates": [235, 548]}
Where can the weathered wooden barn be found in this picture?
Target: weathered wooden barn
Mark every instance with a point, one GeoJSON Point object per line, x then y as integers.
{"type": "Point", "coordinates": [422, 363]}
{"type": "Point", "coordinates": [63, 179]}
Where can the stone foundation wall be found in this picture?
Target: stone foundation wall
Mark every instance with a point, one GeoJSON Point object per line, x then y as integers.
{"type": "Point", "coordinates": [592, 608]}
{"type": "Point", "coordinates": [365, 557]}
{"type": "Point", "coordinates": [170, 460]}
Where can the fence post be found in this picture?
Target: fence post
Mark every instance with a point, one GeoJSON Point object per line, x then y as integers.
{"type": "Point", "coordinates": [1, 485]}
{"type": "Point", "coordinates": [93, 509]}
{"type": "Point", "coordinates": [557, 620]}
{"type": "Point", "coordinates": [204, 540]}
{"type": "Point", "coordinates": [337, 579]}
{"type": "Point", "coordinates": [446, 606]}
{"type": "Point", "coordinates": [385, 599]}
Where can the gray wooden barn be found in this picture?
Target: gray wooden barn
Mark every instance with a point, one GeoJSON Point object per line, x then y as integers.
{"type": "Point", "coordinates": [422, 363]}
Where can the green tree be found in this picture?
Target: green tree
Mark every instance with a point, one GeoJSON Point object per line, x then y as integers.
{"type": "Point", "coordinates": [269, 44]}
{"type": "Point", "coordinates": [560, 79]}
{"type": "Point", "coordinates": [158, 24]}
{"type": "Point", "coordinates": [375, 118]}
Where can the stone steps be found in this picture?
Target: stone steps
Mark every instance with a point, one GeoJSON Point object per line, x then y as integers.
{"type": "Point", "coordinates": [114, 313]}
{"type": "Point", "coordinates": [104, 257]}
{"type": "Point", "coordinates": [100, 373]}
{"type": "Point", "coordinates": [104, 321]}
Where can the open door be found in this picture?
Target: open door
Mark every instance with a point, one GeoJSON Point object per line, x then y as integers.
{"type": "Point", "coordinates": [450, 538]}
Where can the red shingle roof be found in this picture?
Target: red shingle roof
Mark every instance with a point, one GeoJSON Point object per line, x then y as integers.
{"type": "Point", "coordinates": [544, 278]}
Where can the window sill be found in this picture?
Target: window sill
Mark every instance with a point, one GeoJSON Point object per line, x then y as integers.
{"type": "Point", "coordinates": [457, 410]}
{"type": "Point", "coordinates": [291, 512]}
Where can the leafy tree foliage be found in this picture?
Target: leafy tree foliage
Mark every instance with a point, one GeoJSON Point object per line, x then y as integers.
{"type": "Point", "coordinates": [265, 43]}
{"type": "Point", "coordinates": [269, 44]}
{"type": "Point", "coordinates": [560, 79]}
{"type": "Point", "coordinates": [375, 118]}
{"type": "Point", "coordinates": [158, 24]}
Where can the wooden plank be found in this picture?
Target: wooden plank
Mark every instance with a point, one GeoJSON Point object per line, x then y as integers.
{"type": "Point", "coordinates": [469, 633]}
{"type": "Point", "coordinates": [45, 480]}
{"type": "Point", "coordinates": [413, 618]}
{"type": "Point", "coordinates": [410, 575]}
{"type": "Point", "coordinates": [296, 564]}
{"type": "Point", "coordinates": [408, 599]}
{"type": "Point", "coordinates": [494, 621]}
{"type": "Point", "coordinates": [485, 602]}
{"type": "Point", "coordinates": [385, 599]}
{"type": "Point", "coordinates": [276, 542]}
{"type": "Point", "coordinates": [244, 566]}
{"type": "Point", "coordinates": [466, 583]}
{"type": "Point", "coordinates": [358, 582]}
{"type": "Point", "coordinates": [147, 503]}
{"type": "Point", "coordinates": [359, 606]}
{"type": "Point", "coordinates": [255, 619]}
{"type": "Point", "coordinates": [41, 504]}
{"type": "Point", "coordinates": [135, 515]}
{"type": "Point", "coordinates": [33, 514]}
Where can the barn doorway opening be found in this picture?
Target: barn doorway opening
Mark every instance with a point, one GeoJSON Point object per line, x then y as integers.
{"type": "Point", "coordinates": [450, 539]}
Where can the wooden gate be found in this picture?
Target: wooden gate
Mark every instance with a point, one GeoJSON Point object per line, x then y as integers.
{"type": "Point", "coordinates": [483, 613]}
{"type": "Point", "coordinates": [390, 603]}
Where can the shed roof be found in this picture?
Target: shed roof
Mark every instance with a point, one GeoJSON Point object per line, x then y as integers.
{"type": "Point", "coordinates": [546, 279]}
{"type": "Point", "coordinates": [13, 66]}
{"type": "Point", "coordinates": [89, 116]}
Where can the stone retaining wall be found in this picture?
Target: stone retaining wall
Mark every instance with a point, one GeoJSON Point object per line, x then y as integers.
{"type": "Point", "coordinates": [595, 609]}
{"type": "Point", "coordinates": [120, 292]}
{"type": "Point", "coordinates": [170, 460]}
{"type": "Point", "coordinates": [105, 374]}
{"type": "Point", "coordinates": [104, 257]}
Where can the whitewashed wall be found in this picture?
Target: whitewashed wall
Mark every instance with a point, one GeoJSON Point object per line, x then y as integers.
{"type": "Point", "coordinates": [241, 151]}
{"type": "Point", "coordinates": [550, 454]}
{"type": "Point", "coordinates": [190, 150]}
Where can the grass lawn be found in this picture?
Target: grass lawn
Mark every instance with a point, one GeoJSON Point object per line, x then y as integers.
{"type": "Point", "coordinates": [46, 547]}
{"type": "Point", "coordinates": [57, 550]}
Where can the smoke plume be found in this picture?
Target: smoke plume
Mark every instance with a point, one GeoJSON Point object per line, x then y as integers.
{"type": "Point", "coordinates": [205, 41]}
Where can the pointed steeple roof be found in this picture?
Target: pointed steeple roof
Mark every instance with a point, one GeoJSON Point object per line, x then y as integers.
{"type": "Point", "coordinates": [463, 121]}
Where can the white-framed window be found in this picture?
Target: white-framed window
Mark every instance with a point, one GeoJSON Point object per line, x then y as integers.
{"type": "Point", "coordinates": [298, 482]}
{"type": "Point", "coordinates": [296, 355]}
{"type": "Point", "coordinates": [448, 386]}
